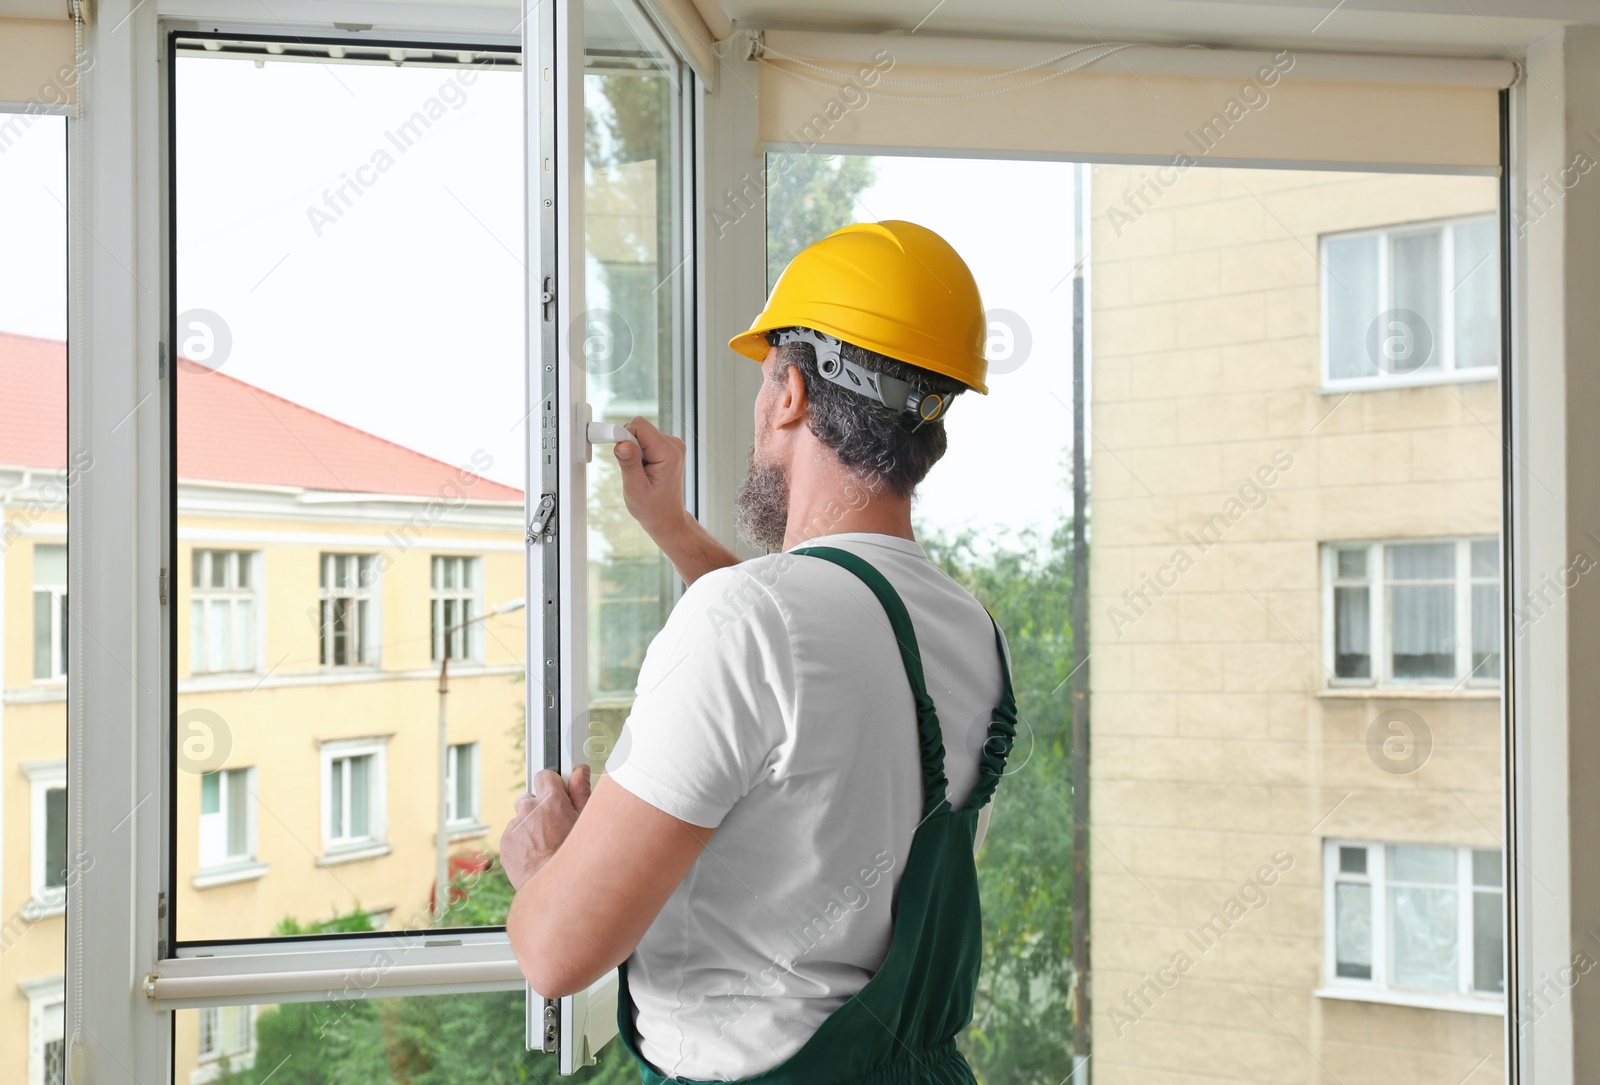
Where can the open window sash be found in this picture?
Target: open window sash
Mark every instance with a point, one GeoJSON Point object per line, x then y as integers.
{"type": "Point", "coordinates": [611, 324]}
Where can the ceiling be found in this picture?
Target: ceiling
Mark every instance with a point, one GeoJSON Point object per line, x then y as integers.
{"type": "Point", "coordinates": [1478, 28]}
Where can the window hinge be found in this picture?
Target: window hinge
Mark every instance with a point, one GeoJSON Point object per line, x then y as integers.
{"type": "Point", "coordinates": [552, 1026]}
{"type": "Point", "coordinates": [161, 361]}
{"type": "Point", "coordinates": [543, 524]}
{"type": "Point", "coordinates": [547, 297]}
{"type": "Point", "coordinates": [163, 583]}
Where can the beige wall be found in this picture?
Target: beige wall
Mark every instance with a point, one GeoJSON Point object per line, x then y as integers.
{"type": "Point", "coordinates": [1216, 743]}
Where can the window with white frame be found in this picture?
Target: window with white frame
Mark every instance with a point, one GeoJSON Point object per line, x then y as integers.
{"type": "Point", "coordinates": [49, 612]}
{"type": "Point", "coordinates": [227, 818]}
{"type": "Point", "coordinates": [226, 1032]}
{"type": "Point", "coordinates": [48, 783]}
{"type": "Point", "coordinates": [354, 795]}
{"type": "Point", "coordinates": [461, 784]}
{"type": "Point", "coordinates": [223, 611]}
{"type": "Point", "coordinates": [1413, 612]}
{"type": "Point", "coordinates": [1414, 919]}
{"type": "Point", "coordinates": [455, 602]}
{"type": "Point", "coordinates": [349, 630]}
{"type": "Point", "coordinates": [1411, 304]}
{"type": "Point", "coordinates": [47, 1044]}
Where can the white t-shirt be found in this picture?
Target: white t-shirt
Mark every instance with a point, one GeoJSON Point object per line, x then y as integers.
{"type": "Point", "coordinates": [774, 706]}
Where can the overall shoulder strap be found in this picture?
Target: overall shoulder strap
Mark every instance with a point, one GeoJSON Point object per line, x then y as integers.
{"type": "Point", "coordinates": [930, 737]}
{"type": "Point", "coordinates": [1002, 730]}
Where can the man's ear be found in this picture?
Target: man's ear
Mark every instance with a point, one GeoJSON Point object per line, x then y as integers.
{"type": "Point", "coordinates": [790, 403]}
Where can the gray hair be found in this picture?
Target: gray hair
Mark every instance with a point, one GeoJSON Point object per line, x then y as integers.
{"type": "Point", "coordinates": [884, 446]}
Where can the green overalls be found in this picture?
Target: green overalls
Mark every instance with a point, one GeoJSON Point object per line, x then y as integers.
{"type": "Point", "coordinates": [900, 1028]}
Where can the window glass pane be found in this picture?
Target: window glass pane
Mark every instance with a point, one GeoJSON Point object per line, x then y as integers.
{"type": "Point", "coordinates": [360, 795]}
{"type": "Point", "coordinates": [43, 611]}
{"type": "Point", "coordinates": [1486, 558]}
{"type": "Point", "coordinates": [336, 798]}
{"type": "Point", "coordinates": [1423, 937]}
{"type": "Point", "coordinates": [1422, 617]}
{"type": "Point", "coordinates": [1421, 561]}
{"type": "Point", "coordinates": [244, 634]}
{"type": "Point", "coordinates": [219, 636]}
{"type": "Point", "coordinates": [245, 561]}
{"type": "Point", "coordinates": [1352, 632]}
{"type": "Point", "coordinates": [635, 286]}
{"type": "Point", "coordinates": [1352, 860]}
{"type": "Point", "coordinates": [1485, 631]}
{"type": "Point", "coordinates": [55, 837]}
{"type": "Point", "coordinates": [1352, 563]}
{"type": "Point", "coordinates": [1414, 286]}
{"type": "Point", "coordinates": [211, 793]}
{"type": "Point", "coordinates": [1485, 867]}
{"type": "Point", "coordinates": [1353, 930]}
{"type": "Point", "coordinates": [1421, 863]}
{"type": "Point", "coordinates": [1488, 943]}
{"type": "Point", "coordinates": [1476, 281]}
{"type": "Point", "coordinates": [49, 566]}
{"type": "Point", "coordinates": [463, 782]}
{"type": "Point", "coordinates": [1352, 297]}
{"type": "Point", "coordinates": [239, 812]}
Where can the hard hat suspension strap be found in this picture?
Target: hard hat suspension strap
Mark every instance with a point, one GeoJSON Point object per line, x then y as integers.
{"type": "Point", "coordinates": [896, 394]}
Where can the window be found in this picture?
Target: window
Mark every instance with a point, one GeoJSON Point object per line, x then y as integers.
{"type": "Point", "coordinates": [455, 602]}
{"type": "Point", "coordinates": [354, 797]}
{"type": "Point", "coordinates": [48, 781]}
{"type": "Point", "coordinates": [1413, 612]}
{"type": "Point", "coordinates": [1411, 304]}
{"type": "Point", "coordinates": [226, 1032]}
{"type": "Point", "coordinates": [222, 611]}
{"type": "Point", "coordinates": [1414, 919]}
{"type": "Point", "coordinates": [461, 784]}
{"type": "Point", "coordinates": [227, 818]}
{"type": "Point", "coordinates": [49, 612]}
{"type": "Point", "coordinates": [47, 1045]}
{"type": "Point", "coordinates": [349, 619]}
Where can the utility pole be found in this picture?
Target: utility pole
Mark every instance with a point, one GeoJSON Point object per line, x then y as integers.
{"type": "Point", "coordinates": [1081, 989]}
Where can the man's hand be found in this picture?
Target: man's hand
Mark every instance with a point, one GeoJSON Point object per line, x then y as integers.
{"type": "Point", "coordinates": [653, 489]}
{"type": "Point", "coordinates": [542, 822]}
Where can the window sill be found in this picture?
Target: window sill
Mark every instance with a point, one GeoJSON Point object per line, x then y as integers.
{"type": "Point", "coordinates": [229, 874]}
{"type": "Point", "coordinates": [36, 908]}
{"type": "Point", "coordinates": [1419, 1000]}
{"type": "Point", "coordinates": [37, 694]}
{"type": "Point", "coordinates": [1384, 384]}
{"type": "Point", "coordinates": [467, 830]}
{"type": "Point", "coordinates": [1411, 693]}
{"type": "Point", "coordinates": [353, 854]}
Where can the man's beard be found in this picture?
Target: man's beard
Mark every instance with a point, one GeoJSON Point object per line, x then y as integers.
{"type": "Point", "coordinates": [761, 511]}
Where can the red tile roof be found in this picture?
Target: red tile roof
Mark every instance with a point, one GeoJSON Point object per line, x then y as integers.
{"type": "Point", "coordinates": [231, 432]}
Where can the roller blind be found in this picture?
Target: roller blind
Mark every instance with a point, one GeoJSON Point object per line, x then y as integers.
{"type": "Point", "coordinates": [36, 62]}
{"type": "Point", "coordinates": [851, 93]}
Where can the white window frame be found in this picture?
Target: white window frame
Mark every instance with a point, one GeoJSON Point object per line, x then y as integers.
{"type": "Point", "coordinates": [368, 639]}
{"type": "Point", "coordinates": [470, 637]}
{"type": "Point", "coordinates": [215, 1018]}
{"type": "Point", "coordinates": [1378, 637]}
{"type": "Point", "coordinates": [201, 559]}
{"type": "Point", "coordinates": [58, 596]}
{"type": "Point", "coordinates": [472, 753]}
{"type": "Point", "coordinates": [349, 849]}
{"type": "Point", "coordinates": [44, 777]}
{"type": "Point", "coordinates": [1378, 988]}
{"type": "Point", "coordinates": [227, 869]}
{"type": "Point", "coordinates": [1444, 340]}
{"type": "Point", "coordinates": [46, 1022]}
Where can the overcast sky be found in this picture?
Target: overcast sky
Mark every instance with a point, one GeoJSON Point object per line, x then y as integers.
{"type": "Point", "coordinates": [396, 305]}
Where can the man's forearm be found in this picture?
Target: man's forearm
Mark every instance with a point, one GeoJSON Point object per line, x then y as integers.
{"type": "Point", "coordinates": [692, 549]}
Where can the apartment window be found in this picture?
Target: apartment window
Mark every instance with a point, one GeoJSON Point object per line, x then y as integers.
{"type": "Point", "coordinates": [461, 784]}
{"type": "Point", "coordinates": [47, 1045]}
{"type": "Point", "coordinates": [49, 612]}
{"type": "Point", "coordinates": [1414, 919]}
{"type": "Point", "coordinates": [1425, 612]}
{"type": "Point", "coordinates": [349, 609]}
{"type": "Point", "coordinates": [354, 791]}
{"type": "Point", "coordinates": [222, 611]}
{"type": "Point", "coordinates": [1411, 304]}
{"type": "Point", "coordinates": [455, 601]}
{"type": "Point", "coordinates": [227, 817]}
{"type": "Point", "coordinates": [48, 783]}
{"type": "Point", "coordinates": [226, 1032]}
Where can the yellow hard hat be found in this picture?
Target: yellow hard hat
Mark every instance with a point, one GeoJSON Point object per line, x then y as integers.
{"type": "Point", "coordinates": [894, 288]}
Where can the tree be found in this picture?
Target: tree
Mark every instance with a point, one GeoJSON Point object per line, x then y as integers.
{"type": "Point", "coordinates": [1021, 1032]}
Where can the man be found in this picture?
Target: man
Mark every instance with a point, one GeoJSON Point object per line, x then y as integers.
{"type": "Point", "coordinates": [782, 851]}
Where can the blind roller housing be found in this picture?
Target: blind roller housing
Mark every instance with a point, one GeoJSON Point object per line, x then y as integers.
{"type": "Point", "coordinates": [870, 94]}
{"type": "Point", "coordinates": [36, 62]}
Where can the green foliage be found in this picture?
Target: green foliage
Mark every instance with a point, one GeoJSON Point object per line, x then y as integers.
{"type": "Point", "coordinates": [808, 197]}
{"type": "Point", "coordinates": [1021, 1031]}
